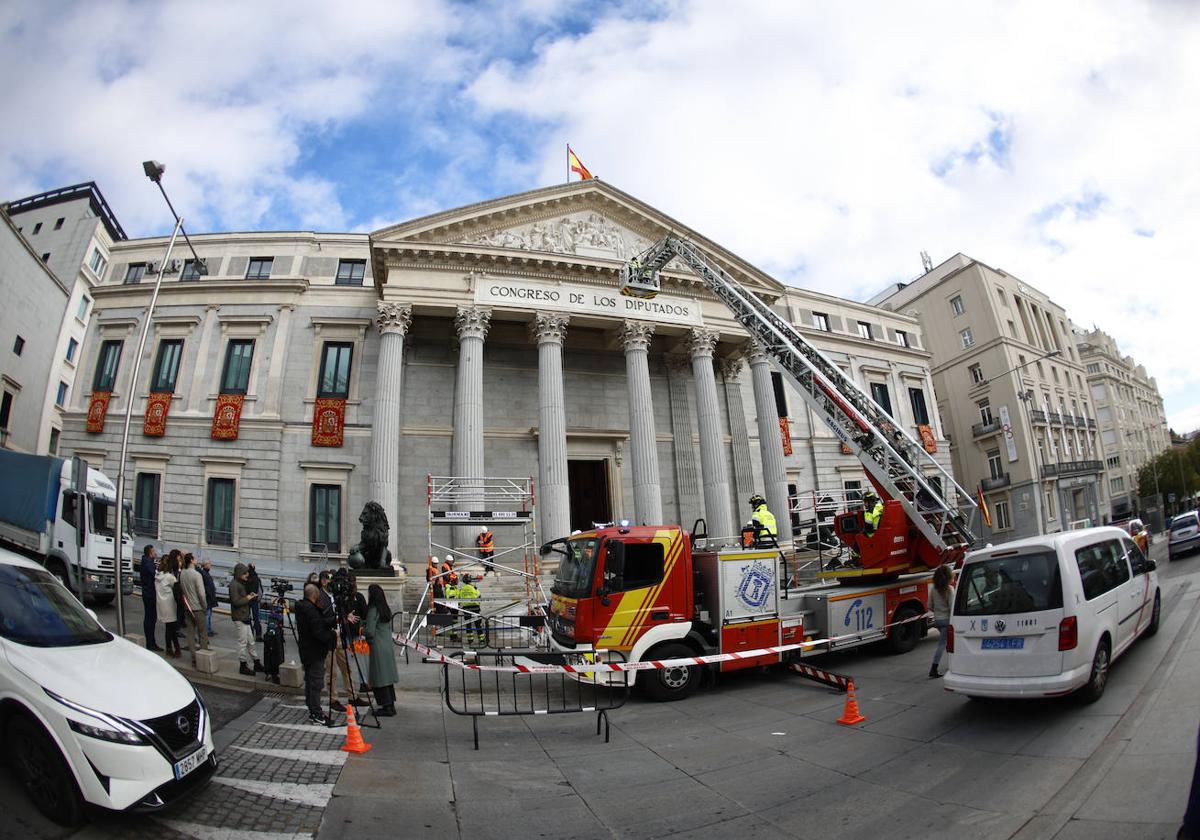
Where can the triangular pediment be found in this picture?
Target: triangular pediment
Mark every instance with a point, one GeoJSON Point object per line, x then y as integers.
{"type": "Point", "coordinates": [583, 220]}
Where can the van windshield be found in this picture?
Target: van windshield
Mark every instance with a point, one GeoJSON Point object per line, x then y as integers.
{"type": "Point", "coordinates": [1016, 584]}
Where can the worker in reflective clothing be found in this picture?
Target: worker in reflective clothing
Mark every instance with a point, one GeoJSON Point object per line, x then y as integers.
{"type": "Point", "coordinates": [468, 599]}
{"type": "Point", "coordinates": [765, 531]}
{"type": "Point", "coordinates": [449, 576]}
{"type": "Point", "coordinates": [872, 513]}
{"type": "Point", "coordinates": [486, 543]}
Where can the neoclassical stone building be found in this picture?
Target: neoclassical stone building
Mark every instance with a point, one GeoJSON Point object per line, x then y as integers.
{"type": "Point", "coordinates": [308, 373]}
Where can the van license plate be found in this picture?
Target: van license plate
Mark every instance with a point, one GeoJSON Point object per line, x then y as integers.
{"type": "Point", "coordinates": [1004, 644]}
{"type": "Point", "coordinates": [182, 768]}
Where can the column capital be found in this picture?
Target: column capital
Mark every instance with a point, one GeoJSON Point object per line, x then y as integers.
{"type": "Point", "coordinates": [702, 342]}
{"type": "Point", "coordinates": [393, 317]}
{"type": "Point", "coordinates": [472, 322]}
{"type": "Point", "coordinates": [730, 367]}
{"type": "Point", "coordinates": [755, 353]}
{"type": "Point", "coordinates": [635, 335]}
{"type": "Point", "coordinates": [549, 328]}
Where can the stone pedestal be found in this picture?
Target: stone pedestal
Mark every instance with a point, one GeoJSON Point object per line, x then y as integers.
{"type": "Point", "coordinates": [291, 674]}
{"type": "Point", "coordinates": [392, 586]}
{"type": "Point", "coordinates": [207, 661]}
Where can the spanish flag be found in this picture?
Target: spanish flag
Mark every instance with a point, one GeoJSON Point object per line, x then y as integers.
{"type": "Point", "coordinates": [575, 165]}
{"type": "Point", "coordinates": [983, 508]}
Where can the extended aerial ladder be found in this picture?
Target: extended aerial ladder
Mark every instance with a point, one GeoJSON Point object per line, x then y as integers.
{"type": "Point", "coordinates": [894, 461]}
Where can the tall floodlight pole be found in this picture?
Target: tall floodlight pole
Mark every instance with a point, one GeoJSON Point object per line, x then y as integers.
{"type": "Point", "coordinates": [154, 171]}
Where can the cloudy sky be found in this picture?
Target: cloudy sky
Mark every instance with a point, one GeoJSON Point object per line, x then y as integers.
{"type": "Point", "coordinates": [827, 143]}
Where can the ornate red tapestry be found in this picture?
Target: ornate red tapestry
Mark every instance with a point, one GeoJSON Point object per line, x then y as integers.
{"type": "Point", "coordinates": [97, 410]}
{"type": "Point", "coordinates": [329, 419]}
{"type": "Point", "coordinates": [786, 432]}
{"type": "Point", "coordinates": [226, 416]}
{"type": "Point", "coordinates": [157, 407]}
{"type": "Point", "coordinates": [927, 439]}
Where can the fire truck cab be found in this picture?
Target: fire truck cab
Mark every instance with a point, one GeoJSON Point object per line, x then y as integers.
{"type": "Point", "coordinates": [646, 592]}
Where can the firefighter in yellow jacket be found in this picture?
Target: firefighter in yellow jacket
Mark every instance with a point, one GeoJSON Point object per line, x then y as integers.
{"type": "Point", "coordinates": [872, 513]}
{"type": "Point", "coordinates": [765, 531]}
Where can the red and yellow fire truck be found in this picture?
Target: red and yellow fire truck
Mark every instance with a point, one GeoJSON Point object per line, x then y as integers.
{"type": "Point", "coordinates": [646, 592]}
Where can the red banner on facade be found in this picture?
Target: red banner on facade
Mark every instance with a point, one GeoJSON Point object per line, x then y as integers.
{"type": "Point", "coordinates": [157, 408]}
{"type": "Point", "coordinates": [787, 435]}
{"type": "Point", "coordinates": [329, 419]}
{"type": "Point", "coordinates": [927, 439]}
{"type": "Point", "coordinates": [227, 416]}
{"type": "Point", "coordinates": [97, 411]}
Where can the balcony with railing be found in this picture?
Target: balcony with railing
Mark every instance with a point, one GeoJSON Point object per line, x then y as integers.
{"type": "Point", "coordinates": [1065, 468]}
{"type": "Point", "coordinates": [1037, 415]}
{"type": "Point", "coordinates": [1068, 420]}
{"type": "Point", "coordinates": [1091, 423]}
{"type": "Point", "coordinates": [984, 429]}
{"type": "Point", "coordinates": [1055, 418]}
{"type": "Point", "coordinates": [1081, 422]}
{"type": "Point", "coordinates": [996, 482]}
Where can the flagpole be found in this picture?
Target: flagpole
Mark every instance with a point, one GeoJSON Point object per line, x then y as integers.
{"type": "Point", "coordinates": [568, 163]}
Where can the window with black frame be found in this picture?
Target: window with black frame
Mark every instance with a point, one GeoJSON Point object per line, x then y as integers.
{"type": "Point", "coordinates": [219, 511]}
{"type": "Point", "coordinates": [106, 365]}
{"type": "Point", "coordinates": [325, 518]}
{"type": "Point", "coordinates": [145, 504]}
{"type": "Point", "coordinates": [351, 272]}
{"type": "Point", "coordinates": [166, 366]}
{"type": "Point", "coordinates": [259, 268]}
{"type": "Point", "coordinates": [334, 378]}
{"type": "Point", "coordinates": [239, 356]}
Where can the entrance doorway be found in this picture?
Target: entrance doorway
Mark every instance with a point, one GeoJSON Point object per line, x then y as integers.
{"type": "Point", "coordinates": [590, 499]}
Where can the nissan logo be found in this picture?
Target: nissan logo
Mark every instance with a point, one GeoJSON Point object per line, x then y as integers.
{"type": "Point", "coordinates": [1000, 625]}
{"type": "Point", "coordinates": [185, 725]}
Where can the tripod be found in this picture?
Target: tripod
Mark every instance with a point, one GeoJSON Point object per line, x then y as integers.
{"type": "Point", "coordinates": [342, 644]}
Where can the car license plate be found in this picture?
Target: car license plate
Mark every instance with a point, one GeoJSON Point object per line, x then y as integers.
{"type": "Point", "coordinates": [187, 765]}
{"type": "Point", "coordinates": [1015, 643]}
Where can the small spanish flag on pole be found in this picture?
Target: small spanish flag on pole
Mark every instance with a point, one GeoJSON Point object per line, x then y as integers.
{"type": "Point", "coordinates": [575, 165]}
{"type": "Point", "coordinates": [983, 508]}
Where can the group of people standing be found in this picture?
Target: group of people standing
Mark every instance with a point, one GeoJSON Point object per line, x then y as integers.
{"type": "Point", "coordinates": [180, 594]}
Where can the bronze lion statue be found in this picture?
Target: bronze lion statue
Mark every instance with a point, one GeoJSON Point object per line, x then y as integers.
{"type": "Point", "coordinates": [372, 551]}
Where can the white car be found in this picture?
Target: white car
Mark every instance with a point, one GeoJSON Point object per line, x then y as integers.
{"type": "Point", "coordinates": [85, 716]}
{"type": "Point", "coordinates": [1046, 616]}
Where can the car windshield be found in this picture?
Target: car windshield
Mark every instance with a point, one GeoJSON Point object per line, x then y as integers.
{"type": "Point", "coordinates": [574, 578]}
{"type": "Point", "coordinates": [1186, 521]}
{"type": "Point", "coordinates": [37, 610]}
{"type": "Point", "coordinates": [1014, 584]}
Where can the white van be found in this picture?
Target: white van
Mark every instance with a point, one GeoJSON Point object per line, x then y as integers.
{"type": "Point", "coordinates": [1046, 616]}
{"type": "Point", "coordinates": [85, 716]}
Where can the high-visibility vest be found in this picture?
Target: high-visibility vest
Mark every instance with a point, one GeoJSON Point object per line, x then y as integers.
{"type": "Point", "coordinates": [765, 520]}
{"type": "Point", "coordinates": [468, 595]}
{"type": "Point", "coordinates": [485, 540]}
{"type": "Point", "coordinates": [451, 590]}
{"type": "Point", "coordinates": [430, 572]}
{"type": "Point", "coordinates": [873, 516]}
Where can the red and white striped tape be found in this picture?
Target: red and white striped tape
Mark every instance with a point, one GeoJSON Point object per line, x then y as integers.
{"type": "Point", "coordinates": [437, 657]}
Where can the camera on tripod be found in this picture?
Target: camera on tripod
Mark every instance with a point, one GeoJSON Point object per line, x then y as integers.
{"type": "Point", "coordinates": [341, 589]}
{"type": "Point", "coordinates": [281, 586]}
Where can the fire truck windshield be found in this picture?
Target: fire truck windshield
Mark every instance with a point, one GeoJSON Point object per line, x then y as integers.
{"type": "Point", "coordinates": [574, 578]}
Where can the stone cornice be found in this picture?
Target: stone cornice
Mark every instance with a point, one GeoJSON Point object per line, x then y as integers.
{"type": "Point", "coordinates": [262, 291]}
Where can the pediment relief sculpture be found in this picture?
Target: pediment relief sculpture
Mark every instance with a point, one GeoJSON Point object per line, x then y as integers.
{"type": "Point", "coordinates": [586, 234]}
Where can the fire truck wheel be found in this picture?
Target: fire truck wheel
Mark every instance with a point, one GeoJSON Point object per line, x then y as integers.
{"type": "Point", "coordinates": [904, 637]}
{"type": "Point", "coordinates": [664, 684]}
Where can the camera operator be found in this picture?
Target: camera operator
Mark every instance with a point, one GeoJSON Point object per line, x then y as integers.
{"type": "Point", "coordinates": [339, 591]}
{"type": "Point", "coordinates": [316, 638]}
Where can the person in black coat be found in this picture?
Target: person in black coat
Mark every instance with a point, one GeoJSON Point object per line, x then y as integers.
{"type": "Point", "coordinates": [314, 627]}
{"type": "Point", "coordinates": [210, 592]}
{"type": "Point", "coordinates": [254, 584]}
{"type": "Point", "coordinates": [146, 569]}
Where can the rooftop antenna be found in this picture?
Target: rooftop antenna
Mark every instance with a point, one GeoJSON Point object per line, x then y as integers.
{"type": "Point", "coordinates": [926, 263]}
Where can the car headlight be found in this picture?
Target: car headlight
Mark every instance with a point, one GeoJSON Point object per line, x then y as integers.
{"type": "Point", "coordinates": [107, 727]}
{"type": "Point", "coordinates": [104, 733]}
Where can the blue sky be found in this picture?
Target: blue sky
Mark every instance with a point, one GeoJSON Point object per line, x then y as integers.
{"type": "Point", "coordinates": [828, 147]}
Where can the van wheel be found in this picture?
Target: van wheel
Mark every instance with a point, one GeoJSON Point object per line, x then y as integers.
{"type": "Point", "coordinates": [666, 684]}
{"type": "Point", "coordinates": [904, 637]}
{"type": "Point", "coordinates": [1099, 675]}
{"type": "Point", "coordinates": [1152, 627]}
{"type": "Point", "coordinates": [43, 772]}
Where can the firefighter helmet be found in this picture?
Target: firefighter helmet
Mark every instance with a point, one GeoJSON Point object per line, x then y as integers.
{"type": "Point", "coordinates": [757, 500]}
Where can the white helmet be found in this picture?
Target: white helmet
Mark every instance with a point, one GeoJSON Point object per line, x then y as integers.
{"type": "Point", "coordinates": [449, 559]}
{"type": "Point", "coordinates": [483, 529]}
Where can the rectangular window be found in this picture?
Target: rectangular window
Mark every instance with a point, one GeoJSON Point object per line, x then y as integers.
{"type": "Point", "coordinates": [916, 398]}
{"type": "Point", "coordinates": [235, 377]}
{"type": "Point", "coordinates": [967, 338]}
{"type": "Point", "coordinates": [351, 272]}
{"type": "Point", "coordinates": [1012, 329]}
{"type": "Point", "coordinates": [145, 504]}
{"type": "Point", "coordinates": [1003, 299]}
{"type": "Point", "coordinates": [1003, 520]}
{"type": "Point", "coordinates": [166, 366]}
{"type": "Point", "coordinates": [334, 380]}
{"type": "Point", "coordinates": [54, 436]}
{"type": "Point", "coordinates": [879, 393]}
{"type": "Point", "coordinates": [37, 228]}
{"type": "Point", "coordinates": [820, 321]}
{"type": "Point", "coordinates": [190, 271]}
{"type": "Point", "coordinates": [976, 374]}
{"type": "Point", "coordinates": [781, 406]}
{"type": "Point", "coordinates": [864, 330]}
{"type": "Point", "coordinates": [854, 494]}
{"type": "Point", "coordinates": [956, 305]}
{"type": "Point", "coordinates": [19, 345]}
{"type": "Point", "coordinates": [1049, 503]}
{"type": "Point", "coordinates": [6, 402]}
{"type": "Point", "coordinates": [985, 411]}
{"type": "Point", "coordinates": [97, 263]}
{"type": "Point", "coordinates": [995, 465]}
{"type": "Point", "coordinates": [1093, 367]}
{"type": "Point", "coordinates": [46, 257]}
{"type": "Point", "coordinates": [1113, 461]}
{"type": "Point", "coordinates": [72, 346]}
{"type": "Point", "coordinates": [325, 518]}
{"type": "Point", "coordinates": [902, 338]}
{"type": "Point", "coordinates": [59, 223]}
{"type": "Point", "coordinates": [259, 268]}
{"type": "Point", "coordinates": [84, 303]}
{"type": "Point", "coordinates": [106, 365]}
{"type": "Point", "coordinates": [219, 510]}
{"type": "Point", "coordinates": [60, 399]}
{"type": "Point", "coordinates": [134, 273]}
{"type": "Point", "coordinates": [644, 563]}
{"type": "Point", "coordinates": [1117, 485]}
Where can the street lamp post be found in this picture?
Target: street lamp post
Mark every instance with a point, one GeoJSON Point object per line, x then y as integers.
{"type": "Point", "coordinates": [154, 171]}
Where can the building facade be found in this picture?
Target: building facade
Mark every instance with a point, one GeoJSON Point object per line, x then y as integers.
{"type": "Point", "coordinates": [70, 231]}
{"type": "Point", "coordinates": [1130, 414]}
{"type": "Point", "coordinates": [306, 374]}
{"type": "Point", "coordinates": [1010, 386]}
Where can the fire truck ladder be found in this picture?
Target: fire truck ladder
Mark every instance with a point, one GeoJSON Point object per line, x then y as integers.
{"type": "Point", "coordinates": [895, 461]}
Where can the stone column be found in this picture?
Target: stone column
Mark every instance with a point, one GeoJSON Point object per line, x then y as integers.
{"type": "Point", "coordinates": [553, 493]}
{"type": "Point", "coordinates": [687, 482]}
{"type": "Point", "coordinates": [770, 442]}
{"type": "Point", "coordinates": [393, 322]}
{"type": "Point", "coordinates": [643, 439]}
{"type": "Point", "coordinates": [713, 468]}
{"type": "Point", "coordinates": [471, 324]}
{"type": "Point", "coordinates": [739, 435]}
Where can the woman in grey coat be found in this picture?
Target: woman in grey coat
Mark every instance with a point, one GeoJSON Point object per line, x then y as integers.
{"type": "Point", "coordinates": [377, 627]}
{"type": "Point", "coordinates": [941, 596]}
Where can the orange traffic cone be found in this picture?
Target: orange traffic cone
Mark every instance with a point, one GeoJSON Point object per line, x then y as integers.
{"type": "Point", "coordinates": [851, 714]}
{"type": "Point", "coordinates": [354, 739]}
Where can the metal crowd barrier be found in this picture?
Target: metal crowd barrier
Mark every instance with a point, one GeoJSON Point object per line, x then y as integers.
{"type": "Point", "coordinates": [477, 693]}
{"type": "Point", "coordinates": [462, 630]}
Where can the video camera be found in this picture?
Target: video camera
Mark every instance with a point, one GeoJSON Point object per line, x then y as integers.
{"type": "Point", "coordinates": [281, 586]}
{"type": "Point", "coordinates": [341, 589]}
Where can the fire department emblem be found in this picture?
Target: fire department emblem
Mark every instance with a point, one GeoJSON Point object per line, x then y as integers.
{"type": "Point", "coordinates": [755, 586]}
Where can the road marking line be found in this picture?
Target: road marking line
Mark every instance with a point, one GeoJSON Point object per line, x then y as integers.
{"type": "Point", "coordinates": [330, 757]}
{"type": "Point", "coordinates": [314, 795]}
{"type": "Point", "coordinates": [206, 832]}
{"type": "Point", "coordinates": [309, 727]}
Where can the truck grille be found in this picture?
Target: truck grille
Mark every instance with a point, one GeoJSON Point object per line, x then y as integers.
{"type": "Point", "coordinates": [178, 731]}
